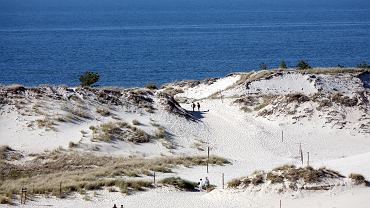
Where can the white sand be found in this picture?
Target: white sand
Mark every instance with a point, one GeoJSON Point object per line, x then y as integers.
{"type": "Point", "coordinates": [249, 142]}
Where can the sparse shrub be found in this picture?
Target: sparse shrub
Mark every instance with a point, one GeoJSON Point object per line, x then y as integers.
{"type": "Point", "coordinates": [45, 123]}
{"type": "Point", "coordinates": [160, 133]}
{"type": "Point", "coordinates": [112, 189]}
{"type": "Point", "coordinates": [274, 178]}
{"type": "Point", "coordinates": [357, 178]}
{"type": "Point", "coordinates": [257, 179]}
{"type": "Point", "coordinates": [234, 183]}
{"type": "Point", "coordinates": [344, 100]}
{"type": "Point", "coordinates": [363, 65]}
{"type": "Point", "coordinates": [4, 151]}
{"type": "Point", "coordinates": [136, 122]}
{"type": "Point", "coordinates": [72, 145]}
{"type": "Point", "coordinates": [263, 66]}
{"type": "Point", "coordinates": [283, 65]}
{"type": "Point", "coordinates": [151, 86]}
{"type": "Point", "coordinates": [179, 183]}
{"type": "Point", "coordinates": [103, 111]}
{"type": "Point", "coordinates": [302, 64]}
{"type": "Point", "coordinates": [88, 78]}
{"type": "Point", "coordinates": [5, 200]}
{"type": "Point", "coordinates": [297, 97]}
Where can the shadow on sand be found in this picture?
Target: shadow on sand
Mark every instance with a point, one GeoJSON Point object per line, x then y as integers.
{"type": "Point", "coordinates": [198, 115]}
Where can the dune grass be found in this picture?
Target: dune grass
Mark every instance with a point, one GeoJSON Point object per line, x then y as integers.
{"type": "Point", "coordinates": [80, 172]}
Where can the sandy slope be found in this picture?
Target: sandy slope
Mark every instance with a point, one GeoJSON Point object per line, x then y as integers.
{"type": "Point", "coordinates": [251, 142]}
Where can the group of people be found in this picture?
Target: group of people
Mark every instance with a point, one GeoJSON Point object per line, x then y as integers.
{"type": "Point", "coordinates": [197, 105]}
{"type": "Point", "coordinates": [203, 184]}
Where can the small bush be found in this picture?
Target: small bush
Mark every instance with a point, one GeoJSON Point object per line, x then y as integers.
{"type": "Point", "coordinates": [136, 122]}
{"type": "Point", "coordinates": [151, 86]}
{"type": "Point", "coordinates": [234, 183]}
{"type": "Point", "coordinates": [179, 183]}
{"type": "Point", "coordinates": [363, 65]}
{"type": "Point", "coordinates": [72, 145]}
{"type": "Point", "coordinates": [357, 178]}
{"type": "Point", "coordinates": [274, 178]}
{"type": "Point", "coordinates": [5, 200]}
{"type": "Point", "coordinates": [302, 64]}
{"type": "Point", "coordinates": [283, 65]}
{"type": "Point", "coordinates": [257, 179]}
{"type": "Point", "coordinates": [88, 78]}
{"type": "Point", "coordinates": [103, 111]}
{"type": "Point", "coordinates": [263, 66]}
{"type": "Point", "coordinates": [160, 133]}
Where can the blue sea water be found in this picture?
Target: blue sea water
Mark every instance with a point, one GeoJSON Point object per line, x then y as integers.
{"type": "Point", "coordinates": [133, 42]}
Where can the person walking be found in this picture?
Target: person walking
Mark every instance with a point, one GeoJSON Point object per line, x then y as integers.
{"type": "Point", "coordinates": [114, 206]}
{"type": "Point", "coordinates": [193, 106]}
{"type": "Point", "coordinates": [198, 105]}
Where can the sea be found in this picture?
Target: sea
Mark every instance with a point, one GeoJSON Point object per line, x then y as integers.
{"type": "Point", "coordinates": [134, 42]}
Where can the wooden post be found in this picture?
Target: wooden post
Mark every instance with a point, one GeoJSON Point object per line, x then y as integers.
{"type": "Point", "coordinates": [154, 177]}
{"type": "Point", "coordinates": [282, 136]}
{"type": "Point", "coordinates": [207, 158]}
{"type": "Point", "coordinates": [223, 181]}
{"type": "Point", "coordinates": [280, 203]}
{"type": "Point", "coordinates": [308, 158]}
{"type": "Point", "coordinates": [22, 196]}
{"type": "Point", "coordinates": [60, 189]}
{"type": "Point", "coordinates": [301, 152]}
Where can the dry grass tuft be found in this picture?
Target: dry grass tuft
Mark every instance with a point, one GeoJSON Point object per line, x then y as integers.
{"type": "Point", "coordinates": [332, 70]}
{"type": "Point", "coordinates": [123, 131]}
{"type": "Point", "coordinates": [80, 172]}
{"type": "Point", "coordinates": [179, 183]}
{"type": "Point", "coordinates": [357, 178]}
{"type": "Point", "coordinates": [46, 123]}
{"type": "Point", "coordinates": [103, 111]}
{"type": "Point", "coordinates": [136, 122]}
{"type": "Point", "coordinates": [287, 174]}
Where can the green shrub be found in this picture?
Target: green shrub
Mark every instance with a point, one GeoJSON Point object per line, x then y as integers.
{"type": "Point", "coordinates": [263, 66]}
{"type": "Point", "coordinates": [283, 65]}
{"type": "Point", "coordinates": [151, 86]}
{"type": "Point", "coordinates": [302, 64]}
{"type": "Point", "coordinates": [88, 78]}
{"type": "Point", "coordinates": [363, 65]}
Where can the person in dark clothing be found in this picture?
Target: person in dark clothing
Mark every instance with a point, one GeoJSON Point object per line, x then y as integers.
{"type": "Point", "coordinates": [198, 105]}
{"type": "Point", "coordinates": [193, 106]}
{"type": "Point", "coordinates": [114, 206]}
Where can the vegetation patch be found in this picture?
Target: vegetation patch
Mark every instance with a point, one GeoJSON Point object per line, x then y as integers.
{"type": "Point", "coordinates": [179, 183]}
{"type": "Point", "coordinates": [80, 172]}
{"type": "Point", "coordinates": [357, 178]}
{"type": "Point", "coordinates": [290, 176]}
{"type": "Point", "coordinates": [123, 131]}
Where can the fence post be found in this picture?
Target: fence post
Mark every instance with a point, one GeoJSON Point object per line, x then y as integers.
{"type": "Point", "coordinates": [223, 181]}
{"type": "Point", "coordinates": [301, 152]}
{"type": "Point", "coordinates": [308, 158]}
{"type": "Point", "coordinates": [60, 189]}
{"type": "Point", "coordinates": [22, 196]}
{"type": "Point", "coordinates": [282, 136]}
{"type": "Point", "coordinates": [154, 177]}
{"type": "Point", "coordinates": [207, 157]}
